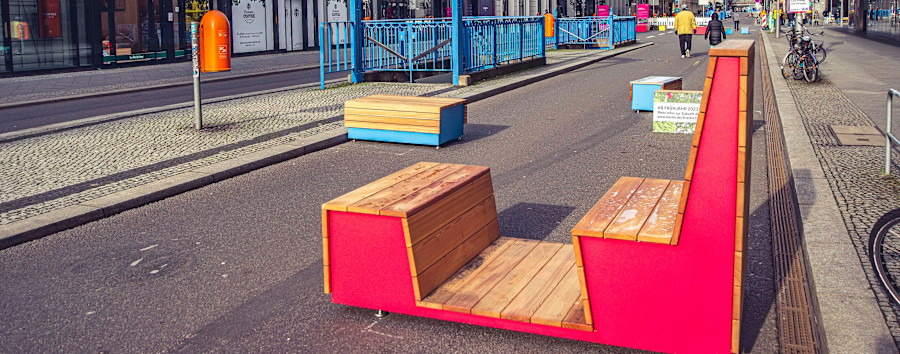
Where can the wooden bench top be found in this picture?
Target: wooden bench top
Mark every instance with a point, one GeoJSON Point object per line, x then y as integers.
{"type": "Point", "coordinates": [656, 80]}
{"type": "Point", "coordinates": [635, 209]}
{"type": "Point", "coordinates": [404, 103]}
{"type": "Point", "coordinates": [408, 191]}
{"type": "Point", "coordinates": [520, 280]}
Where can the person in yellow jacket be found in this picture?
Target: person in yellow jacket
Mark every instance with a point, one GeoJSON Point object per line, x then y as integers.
{"type": "Point", "coordinates": [684, 28]}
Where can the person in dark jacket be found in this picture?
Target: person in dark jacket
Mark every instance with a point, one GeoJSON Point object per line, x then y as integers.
{"type": "Point", "coordinates": [715, 31]}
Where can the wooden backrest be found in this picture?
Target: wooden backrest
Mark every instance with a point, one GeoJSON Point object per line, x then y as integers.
{"type": "Point", "coordinates": [448, 214]}
{"type": "Point", "coordinates": [715, 200]}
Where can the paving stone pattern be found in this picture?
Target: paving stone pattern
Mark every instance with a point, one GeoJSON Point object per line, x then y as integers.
{"type": "Point", "coordinates": [25, 88]}
{"type": "Point", "coordinates": [854, 173]}
{"type": "Point", "coordinates": [72, 166]}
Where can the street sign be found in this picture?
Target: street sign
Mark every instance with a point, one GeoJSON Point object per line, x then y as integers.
{"type": "Point", "coordinates": [798, 6]}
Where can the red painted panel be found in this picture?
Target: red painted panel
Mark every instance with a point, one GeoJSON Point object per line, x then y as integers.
{"type": "Point", "coordinates": [678, 298]}
{"type": "Point", "coordinates": [370, 269]}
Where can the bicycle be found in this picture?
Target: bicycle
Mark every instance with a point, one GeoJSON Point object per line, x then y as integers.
{"type": "Point", "coordinates": [884, 251]}
{"type": "Point", "coordinates": [800, 63]}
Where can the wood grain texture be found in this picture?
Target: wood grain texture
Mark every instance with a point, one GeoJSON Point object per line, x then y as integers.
{"type": "Point", "coordinates": [435, 191]}
{"type": "Point", "coordinates": [736, 336]}
{"type": "Point", "coordinates": [739, 212]}
{"type": "Point", "coordinates": [575, 318]}
{"type": "Point", "coordinates": [327, 277]}
{"type": "Point", "coordinates": [374, 203]}
{"type": "Point", "coordinates": [392, 120]}
{"type": "Point", "coordinates": [741, 166]}
{"type": "Point", "coordinates": [576, 244]}
{"type": "Point", "coordinates": [711, 67]}
{"type": "Point", "coordinates": [470, 294]}
{"type": "Point", "coordinates": [443, 269]}
{"type": "Point", "coordinates": [325, 223]}
{"type": "Point", "coordinates": [582, 281]}
{"type": "Point", "coordinates": [739, 235]}
{"type": "Point", "coordinates": [441, 212]}
{"type": "Point", "coordinates": [737, 295]}
{"type": "Point", "coordinates": [676, 235]}
{"type": "Point", "coordinates": [393, 114]}
{"type": "Point", "coordinates": [393, 127]}
{"type": "Point", "coordinates": [341, 203]}
{"type": "Point", "coordinates": [685, 191]}
{"type": "Point", "coordinates": [636, 210]}
{"type": "Point", "coordinates": [527, 302]}
{"type": "Point", "coordinates": [704, 101]}
{"type": "Point", "coordinates": [733, 48]}
{"type": "Point", "coordinates": [557, 305]}
{"type": "Point", "coordinates": [471, 271]}
{"type": "Point", "coordinates": [660, 225]}
{"type": "Point", "coordinates": [434, 246]}
{"type": "Point", "coordinates": [493, 303]}
{"type": "Point", "coordinates": [595, 222]}
{"type": "Point", "coordinates": [403, 103]}
{"type": "Point", "coordinates": [588, 317]}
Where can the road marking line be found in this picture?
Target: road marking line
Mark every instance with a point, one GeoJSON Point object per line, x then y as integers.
{"type": "Point", "coordinates": [650, 36]}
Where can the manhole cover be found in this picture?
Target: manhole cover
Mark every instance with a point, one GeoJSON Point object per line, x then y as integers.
{"type": "Point", "coordinates": [849, 135]}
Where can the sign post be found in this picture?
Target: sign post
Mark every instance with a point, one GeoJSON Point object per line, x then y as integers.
{"type": "Point", "coordinates": [195, 58]}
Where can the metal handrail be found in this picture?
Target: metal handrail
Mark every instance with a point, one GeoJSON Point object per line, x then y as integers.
{"type": "Point", "coordinates": [888, 137]}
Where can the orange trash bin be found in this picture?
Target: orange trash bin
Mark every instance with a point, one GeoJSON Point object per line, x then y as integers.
{"type": "Point", "coordinates": [215, 42]}
{"type": "Point", "coordinates": [549, 28]}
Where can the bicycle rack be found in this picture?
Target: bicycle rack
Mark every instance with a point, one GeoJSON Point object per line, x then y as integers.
{"type": "Point", "coordinates": [888, 137]}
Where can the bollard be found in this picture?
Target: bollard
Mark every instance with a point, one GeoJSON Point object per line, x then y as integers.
{"type": "Point", "coordinates": [195, 57]}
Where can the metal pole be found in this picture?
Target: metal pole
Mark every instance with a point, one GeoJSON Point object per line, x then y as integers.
{"type": "Point", "coordinates": [195, 56]}
{"type": "Point", "coordinates": [887, 132]}
{"type": "Point", "coordinates": [778, 12]}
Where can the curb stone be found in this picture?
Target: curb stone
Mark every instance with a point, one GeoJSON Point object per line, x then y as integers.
{"type": "Point", "coordinates": [844, 317]}
{"type": "Point", "coordinates": [76, 215]}
{"type": "Point", "coordinates": [149, 88]}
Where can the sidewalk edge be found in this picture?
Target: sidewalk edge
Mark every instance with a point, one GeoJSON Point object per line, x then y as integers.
{"type": "Point", "coordinates": [845, 318]}
{"type": "Point", "coordinates": [64, 98]}
{"type": "Point", "coordinates": [76, 215]}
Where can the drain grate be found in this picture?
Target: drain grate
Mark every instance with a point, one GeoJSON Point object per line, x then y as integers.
{"type": "Point", "coordinates": [796, 329]}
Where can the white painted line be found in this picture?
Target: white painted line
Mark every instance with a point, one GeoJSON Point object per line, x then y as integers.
{"type": "Point", "coordinates": [136, 262]}
{"type": "Point", "coordinates": [650, 36]}
{"type": "Point", "coordinates": [149, 247]}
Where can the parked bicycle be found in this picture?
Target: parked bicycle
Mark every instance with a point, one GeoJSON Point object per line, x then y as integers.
{"type": "Point", "coordinates": [884, 251]}
{"type": "Point", "coordinates": [802, 60]}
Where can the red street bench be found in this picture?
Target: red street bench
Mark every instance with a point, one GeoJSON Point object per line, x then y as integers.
{"type": "Point", "coordinates": [655, 264]}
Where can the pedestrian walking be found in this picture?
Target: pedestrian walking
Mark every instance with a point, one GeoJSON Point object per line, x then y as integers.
{"type": "Point", "coordinates": [685, 24]}
{"type": "Point", "coordinates": [737, 21]}
{"type": "Point", "coordinates": [715, 31]}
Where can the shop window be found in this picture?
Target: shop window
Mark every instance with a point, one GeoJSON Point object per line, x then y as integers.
{"type": "Point", "coordinates": [41, 35]}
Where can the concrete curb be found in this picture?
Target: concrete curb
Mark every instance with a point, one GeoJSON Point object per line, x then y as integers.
{"type": "Point", "coordinates": [847, 308]}
{"type": "Point", "coordinates": [149, 88]}
{"type": "Point", "coordinates": [54, 128]}
{"type": "Point", "coordinates": [75, 215]}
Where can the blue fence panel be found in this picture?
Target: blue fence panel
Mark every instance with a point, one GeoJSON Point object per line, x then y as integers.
{"type": "Point", "coordinates": [493, 41]}
{"type": "Point", "coordinates": [623, 30]}
{"type": "Point", "coordinates": [583, 30]}
{"type": "Point", "coordinates": [406, 45]}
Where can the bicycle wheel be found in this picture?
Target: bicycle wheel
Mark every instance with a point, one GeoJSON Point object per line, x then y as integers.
{"type": "Point", "coordinates": [785, 65]}
{"type": "Point", "coordinates": [809, 68]}
{"type": "Point", "coordinates": [820, 53]}
{"type": "Point", "coordinates": [884, 251]}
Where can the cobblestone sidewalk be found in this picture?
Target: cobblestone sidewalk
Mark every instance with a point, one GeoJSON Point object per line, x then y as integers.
{"type": "Point", "coordinates": [854, 173]}
{"type": "Point", "coordinates": [53, 171]}
{"type": "Point", "coordinates": [25, 88]}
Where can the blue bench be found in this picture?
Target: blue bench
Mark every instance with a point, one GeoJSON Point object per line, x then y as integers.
{"type": "Point", "coordinates": [405, 119]}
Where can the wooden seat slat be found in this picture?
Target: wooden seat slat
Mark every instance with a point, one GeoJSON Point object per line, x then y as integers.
{"type": "Point", "coordinates": [422, 223]}
{"type": "Point", "coordinates": [560, 301]}
{"type": "Point", "coordinates": [467, 273]}
{"type": "Point", "coordinates": [390, 113]}
{"type": "Point", "coordinates": [660, 226]}
{"type": "Point", "coordinates": [373, 204]}
{"type": "Point", "coordinates": [473, 292]}
{"type": "Point", "coordinates": [493, 303]}
{"type": "Point", "coordinates": [393, 120]}
{"type": "Point", "coordinates": [341, 203]}
{"type": "Point", "coordinates": [438, 189]}
{"type": "Point", "coordinates": [607, 208]}
{"type": "Point", "coordinates": [536, 292]}
{"type": "Point", "coordinates": [393, 127]}
{"type": "Point", "coordinates": [635, 212]}
{"type": "Point", "coordinates": [434, 101]}
{"type": "Point", "coordinates": [575, 319]}
{"type": "Point", "coordinates": [443, 269]}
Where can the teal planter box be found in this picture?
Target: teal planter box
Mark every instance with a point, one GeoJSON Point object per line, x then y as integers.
{"type": "Point", "coordinates": [642, 90]}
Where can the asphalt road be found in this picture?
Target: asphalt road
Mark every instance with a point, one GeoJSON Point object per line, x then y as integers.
{"type": "Point", "coordinates": [236, 266]}
{"type": "Point", "coordinates": [20, 118]}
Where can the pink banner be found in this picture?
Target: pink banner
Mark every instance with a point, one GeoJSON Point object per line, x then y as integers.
{"type": "Point", "coordinates": [602, 10]}
{"type": "Point", "coordinates": [643, 11]}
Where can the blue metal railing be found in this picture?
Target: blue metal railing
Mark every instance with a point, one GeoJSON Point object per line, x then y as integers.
{"type": "Point", "coordinates": [492, 41]}
{"type": "Point", "coordinates": [334, 52]}
{"type": "Point", "coordinates": [588, 31]}
{"type": "Point", "coordinates": [427, 44]}
{"type": "Point", "coordinates": [406, 45]}
{"type": "Point", "coordinates": [623, 30]}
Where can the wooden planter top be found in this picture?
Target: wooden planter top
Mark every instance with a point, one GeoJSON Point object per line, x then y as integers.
{"type": "Point", "coordinates": [408, 191]}
{"type": "Point", "coordinates": [404, 103]}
